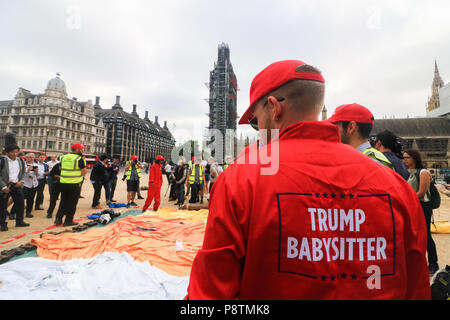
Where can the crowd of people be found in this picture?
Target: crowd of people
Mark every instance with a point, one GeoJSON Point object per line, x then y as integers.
{"type": "Point", "coordinates": [260, 227]}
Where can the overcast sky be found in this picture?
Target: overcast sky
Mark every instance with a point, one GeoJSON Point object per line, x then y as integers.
{"type": "Point", "coordinates": [158, 54]}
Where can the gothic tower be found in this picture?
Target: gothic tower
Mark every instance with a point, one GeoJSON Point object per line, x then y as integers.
{"type": "Point", "coordinates": [438, 83]}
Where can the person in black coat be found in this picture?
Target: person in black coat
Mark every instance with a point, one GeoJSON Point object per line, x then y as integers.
{"type": "Point", "coordinates": [54, 188]}
{"type": "Point", "coordinates": [100, 178]}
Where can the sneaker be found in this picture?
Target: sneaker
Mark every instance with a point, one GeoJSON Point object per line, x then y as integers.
{"type": "Point", "coordinates": [133, 204]}
{"type": "Point", "coordinates": [29, 216]}
{"type": "Point", "coordinates": [97, 207]}
{"type": "Point", "coordinates": [140, 198]}
{"type": "Point", "coordinates": [12, 217]}
{"type": "Point", "coordinates": [4, 228]}
{"type": "Point", "coordinates": [22, 224]}
{"type": "Point", "coordinates": [113, 201]}
{"type": "Point", "coordinates": [128, 205]}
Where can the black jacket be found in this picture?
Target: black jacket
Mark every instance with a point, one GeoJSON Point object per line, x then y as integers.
{"type": "Point", "coordinates": [99, 173]}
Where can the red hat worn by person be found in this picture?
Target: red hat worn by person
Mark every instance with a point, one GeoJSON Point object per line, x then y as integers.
{"type": "Point", "coordinates": [352, 112]}
{"type": "Point", "coordinates": [134, 157]}
{"type": "Point", "coordinates": [273, 77]}
{"type": "Point", "coordinates": [78, 146]}
{"type": "Point", "coordinates": [159, 158]}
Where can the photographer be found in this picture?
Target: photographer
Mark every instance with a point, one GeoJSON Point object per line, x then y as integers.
{"type": "Point", "coordinates": [30, 183]}
{"type": "Point", "coordinates": [133, 174]}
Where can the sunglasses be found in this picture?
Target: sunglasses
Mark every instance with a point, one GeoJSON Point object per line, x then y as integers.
{"type": "Point", "coordinates": [406, 157]}
{"type": "Point", "coordinates": [254, 121]}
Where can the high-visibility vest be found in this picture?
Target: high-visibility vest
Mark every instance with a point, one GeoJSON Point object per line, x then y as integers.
{"type": "Point", "coordinates": [192, 176]}
{"type": "Point", "coordinates": [70, 170]}
{"type": "Point", "coordinates": [375, 154]}
{"type": "Point", "coordinates": [225, 166]}
{"type": "Point", "coordinates": [191, 165]}
{"type": "Point", "coordinates": [128, 173]}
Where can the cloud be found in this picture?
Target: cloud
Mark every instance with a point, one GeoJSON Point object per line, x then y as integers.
{"type": "Point", "coordinates": [158, 54]}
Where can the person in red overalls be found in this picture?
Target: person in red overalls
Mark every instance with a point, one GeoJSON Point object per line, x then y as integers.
{"type": "Point", "coordinates": [299, 215]}
{"type": "Point", "coordinates": [154, 185]}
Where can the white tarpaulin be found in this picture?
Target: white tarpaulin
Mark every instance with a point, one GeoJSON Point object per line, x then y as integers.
{"type": "Point", "coordinates": [109, 276]}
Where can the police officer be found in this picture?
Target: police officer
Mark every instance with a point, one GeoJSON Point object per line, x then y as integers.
{"type": "Point", "coordinates": [73, 170]}
{"type": "Point", "coordinates": [355, 124]}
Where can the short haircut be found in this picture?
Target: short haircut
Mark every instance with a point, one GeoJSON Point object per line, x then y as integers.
{"type": "Point", "coordinates": [305, 96]}
{"type": "Point", "coordinates": [390, 141]}
{"type": "Point", "coordinates": [415, 154]}
{"type": "Point", "coordinates": [103, 157]}
{"type": "Point", "coordinates": [364, 129]}
{"type": "Point", "coordinates": [30, 154]}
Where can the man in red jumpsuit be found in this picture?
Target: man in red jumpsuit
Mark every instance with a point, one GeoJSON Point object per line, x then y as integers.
{"type": "Point", "coordinates": [154, 185]}
{"type": "Point", "coordinates": [327, 223]}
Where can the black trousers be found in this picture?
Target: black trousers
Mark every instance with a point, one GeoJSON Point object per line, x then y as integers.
{"type": "Point", "coordinates": [195, 189]}
{"type": "Point", "coordinates": [113, 187]}
{"type": "Point", "coordinates": [40, 193]}
{"type": "Point", "coordinates": [29, 194]}
{"type": "Point", "coordinates": [180, 193]}
{"type": "Point", "coordinates": [431, 246]}
{"type": "Point", "coordinates": [70, 194]}
{"type": "Point", "coordinates": [17, 196]}
{"type": "Point", "coordinates": [97, 193]}
{"type": "Point", "coordinates": [54, 190]}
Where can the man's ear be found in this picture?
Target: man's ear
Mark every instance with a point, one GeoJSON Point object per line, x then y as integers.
{"type": "Point", "coordinates": [352, 128]}
{"type": "Point", "coordinates": [276, 108]}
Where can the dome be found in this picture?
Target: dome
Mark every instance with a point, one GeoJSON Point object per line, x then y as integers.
{"type": "Point", "coordinates": [56, 83]}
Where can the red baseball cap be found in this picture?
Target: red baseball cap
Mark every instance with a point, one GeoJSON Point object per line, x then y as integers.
{"type": "Point", "coordinates": [159, 158]}
{"type": "Point", "coordinates": [273, 77]}
{"type": "Point", "coordinates": [134, 157]}
{"type": "Point", "coordinates": [78, 146]}
{"type": "Point", "coordinates": [352, 112]}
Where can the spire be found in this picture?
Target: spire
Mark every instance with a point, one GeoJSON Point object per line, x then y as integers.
{"type": "Point", "coordinates": [437, 81]}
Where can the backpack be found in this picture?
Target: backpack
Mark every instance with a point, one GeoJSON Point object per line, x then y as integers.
{"type": "Point", "coordinates": [440, 285]}
{"type": "Point", "coordinates": [435, 197]}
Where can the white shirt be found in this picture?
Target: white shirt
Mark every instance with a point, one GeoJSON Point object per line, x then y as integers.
{"type": "Point", "coordinates": [168, 168]}
{"type": "Point", "coordinates": [41, 171]}
{"type": "Point", "coordinates": [51, 164]}
{"type": "Point", "coordinates": [30, 180]}
{"type": "Point", "coordinates": [14, 170]}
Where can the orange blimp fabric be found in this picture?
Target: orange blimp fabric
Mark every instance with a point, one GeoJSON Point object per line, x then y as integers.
{"type": "Point", "coordinates": [169, 244]}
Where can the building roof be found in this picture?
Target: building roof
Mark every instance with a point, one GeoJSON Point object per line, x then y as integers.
{"type": "Point", "coordinates": [119, 113]}
{"type": "Point", "coordinates": [7, 103]}
{"type": "Point", "coordinates": [56, 83]}
{"type": "Point", "coordinates": [414, 127]}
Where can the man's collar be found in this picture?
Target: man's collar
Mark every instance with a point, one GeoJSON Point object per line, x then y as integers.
{"type": "Point", "coordinates": [311, 130]}
{"type": "Point", "coordinates": [366, 145]}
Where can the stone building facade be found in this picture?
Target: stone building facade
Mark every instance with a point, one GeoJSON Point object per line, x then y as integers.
{"type": "Point", "coordinates": [128, 134]}
{"type": "Point", "coordinates": [52, 122]}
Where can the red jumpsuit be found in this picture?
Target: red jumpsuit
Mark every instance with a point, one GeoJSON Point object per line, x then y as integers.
{"type": "Point", "coordinates": [330, 224]}
{"type": "Point", "coordinates": [155, 192]}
